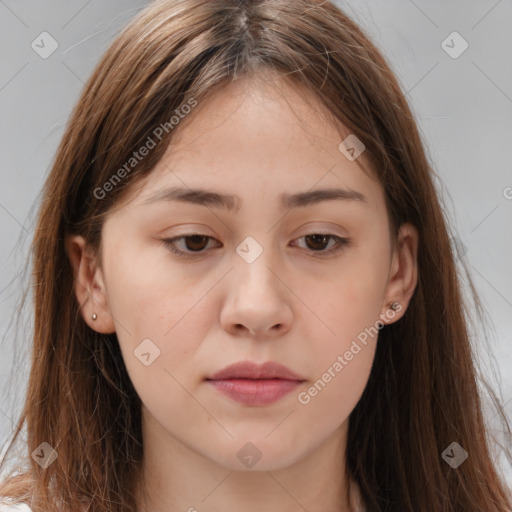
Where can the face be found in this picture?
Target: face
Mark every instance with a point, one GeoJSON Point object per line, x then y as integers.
{"type": "Point", "coordinates": [260, 277]}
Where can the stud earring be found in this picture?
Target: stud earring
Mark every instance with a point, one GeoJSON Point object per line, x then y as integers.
{"type": "Point", "coordinates": [94, 316]}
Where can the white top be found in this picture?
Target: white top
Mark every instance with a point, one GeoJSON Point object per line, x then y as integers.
{"type": "Point", "coordinates": [12, 507]}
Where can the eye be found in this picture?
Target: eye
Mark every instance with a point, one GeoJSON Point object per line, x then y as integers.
{"type": "Point", "coordinates": [195, 244]}
{"type": "Point", "coordinates": [319, 240]}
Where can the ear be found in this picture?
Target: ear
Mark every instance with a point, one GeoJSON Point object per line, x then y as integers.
{"type": "Point", "coordinates": [403, 276]}
{"type": "Point", "coordinates": [89, 286]}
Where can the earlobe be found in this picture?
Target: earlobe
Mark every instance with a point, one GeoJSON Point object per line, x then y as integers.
{"type": "Point", "coordinates": [89, 286]}
{"type": "Point", "coordinates": [403, 274]}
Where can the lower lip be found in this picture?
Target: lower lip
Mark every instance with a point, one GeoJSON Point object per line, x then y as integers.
{"type": "Point", "coordinates": [255, 392]}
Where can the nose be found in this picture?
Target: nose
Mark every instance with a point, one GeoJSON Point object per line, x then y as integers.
{"type": "Point", "coordinates": [257, 301]}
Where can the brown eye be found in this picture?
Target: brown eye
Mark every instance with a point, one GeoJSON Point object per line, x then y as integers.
{"type": "Point", "coordinates": [317, 243]}
{"type": "Point", "coordinates": [195, 243]}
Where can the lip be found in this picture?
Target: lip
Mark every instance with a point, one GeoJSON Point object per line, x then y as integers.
{"type": "Point", "coordinates": [255, 384]}
{"type": "Point", "coordinates": [250, 370]}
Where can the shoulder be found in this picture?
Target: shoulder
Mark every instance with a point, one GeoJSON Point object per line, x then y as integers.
{"type": "Point", "coordinates": [10, 506]}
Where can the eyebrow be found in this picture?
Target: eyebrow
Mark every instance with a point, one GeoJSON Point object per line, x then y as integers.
{"type": "Point", "coordinates": [231, 202]}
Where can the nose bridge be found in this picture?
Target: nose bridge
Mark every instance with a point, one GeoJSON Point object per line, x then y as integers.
{"type": "Point", "coordinates": [255, 297]}
{"type": "Point", "coordinates": [254, 266]}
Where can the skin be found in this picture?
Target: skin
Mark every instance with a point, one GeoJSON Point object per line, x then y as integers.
{"type": "Point", "coordinates": [255, 140]}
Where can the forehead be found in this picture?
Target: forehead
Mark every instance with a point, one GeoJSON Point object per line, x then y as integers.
{"type": "Point", "coordinates": [257, 137]}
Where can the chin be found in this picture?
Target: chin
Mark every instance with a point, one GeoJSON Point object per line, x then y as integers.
{"type": "Point", "coordinates": [253, 453]}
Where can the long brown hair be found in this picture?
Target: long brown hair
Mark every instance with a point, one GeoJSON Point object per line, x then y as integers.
{"type": "Point", "coordinates": [422, 393]}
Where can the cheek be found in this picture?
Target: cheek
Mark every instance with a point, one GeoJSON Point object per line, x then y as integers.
{"type": "Point", "coordinates": [345, 331]}
{"type": "Point", "coordinates": [336, 391]}
{"type": "Point", "coordinates": [148, 296]}
{"type": "Point", "coordinates": [160, 321]}
{"type": "Point", "coordinates": [342, 361]}
{"type": "Point", "coordinates": [348, 301]}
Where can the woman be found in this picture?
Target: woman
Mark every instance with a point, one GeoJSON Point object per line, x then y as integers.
{"type": "Point", "coordinates": [245, 293]}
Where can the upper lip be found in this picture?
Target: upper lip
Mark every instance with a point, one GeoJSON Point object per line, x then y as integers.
{"type": "Point", "coordinates": [250, 370]}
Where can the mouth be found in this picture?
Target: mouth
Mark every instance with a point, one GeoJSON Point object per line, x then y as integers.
{"type": "Point", "coordinates": [255, 391]}
{"type": "Point", "coordinates": [253, 384]}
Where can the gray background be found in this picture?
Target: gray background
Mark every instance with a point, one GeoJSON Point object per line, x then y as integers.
{"type": "Point", "coordinates": [463, 106]}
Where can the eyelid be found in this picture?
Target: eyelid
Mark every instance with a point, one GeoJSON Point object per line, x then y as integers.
{"type": "Point", "coordinates": [341, 243]}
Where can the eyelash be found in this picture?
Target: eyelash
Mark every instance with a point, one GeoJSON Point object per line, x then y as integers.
{"type": "Point", "coordinates": [170, 244]}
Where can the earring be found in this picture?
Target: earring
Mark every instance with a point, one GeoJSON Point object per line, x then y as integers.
{"type": "Point", "coordinates": [395, 305]}
{"type": "Point", "coordinates": [94, 315]}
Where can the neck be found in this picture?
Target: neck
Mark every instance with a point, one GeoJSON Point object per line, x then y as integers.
{"type": "Point", "coordinates": [177, 478]}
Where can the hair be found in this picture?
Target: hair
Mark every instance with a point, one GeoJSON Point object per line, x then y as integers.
{"type": "Point", "coordinates": [423, 391]}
